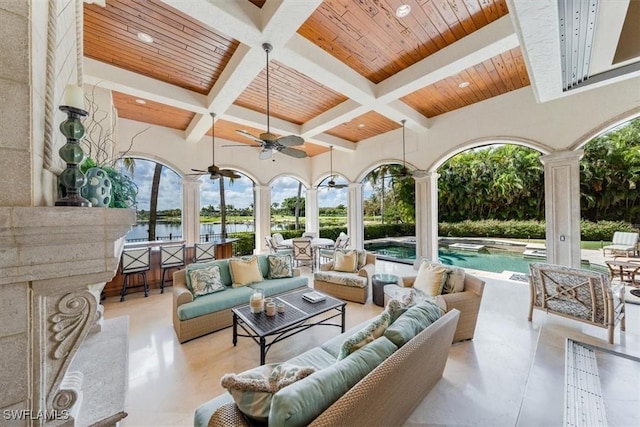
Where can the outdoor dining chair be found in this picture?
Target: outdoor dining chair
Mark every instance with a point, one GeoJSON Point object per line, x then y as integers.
{"type": "Point", "coordinates": [303, 252]}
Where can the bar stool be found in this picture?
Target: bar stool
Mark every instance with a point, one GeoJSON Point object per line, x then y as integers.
{"type": "Point", "coordinates": [205, 252]}
{"type": "Point", "coordinates": [135, 261]}
{"type": "Point", "coordinates": [170, 257]}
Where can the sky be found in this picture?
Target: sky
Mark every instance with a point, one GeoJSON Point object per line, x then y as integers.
{"type": "Point", "coordinates": [239, 193]}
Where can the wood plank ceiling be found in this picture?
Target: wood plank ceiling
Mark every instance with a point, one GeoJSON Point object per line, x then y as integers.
{"type": "Point", "coordinates": [364, 35]}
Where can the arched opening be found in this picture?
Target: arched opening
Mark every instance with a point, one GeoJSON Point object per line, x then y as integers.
{"type": "Point", "coordinates": [288, 203]}
{"type": "Point", "coordinates": [332, 203]}
{"type": "Point", "coordinates": [158, 202]}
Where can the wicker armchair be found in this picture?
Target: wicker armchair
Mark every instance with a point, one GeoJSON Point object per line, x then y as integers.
{"type": "Point", "coordinates": [583, 295]}
{"type": "Point", "coordinates": [346, 286]}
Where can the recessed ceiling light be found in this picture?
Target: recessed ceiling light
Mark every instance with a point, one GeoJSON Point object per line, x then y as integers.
{"type": "Point", "coordinates": [403, 10]}
{"type": "Point", "coordinates": [361, 125]}
{"type": "Point", "coordinates": [140, 101]}
{"type": "Point", "coordinates": [463, 85]}
{"type": "Point", "coordinates": [145, 37]}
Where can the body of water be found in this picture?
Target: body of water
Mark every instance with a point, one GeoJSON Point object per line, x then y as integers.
{"type": "Point", "coordinates": [163, 230]}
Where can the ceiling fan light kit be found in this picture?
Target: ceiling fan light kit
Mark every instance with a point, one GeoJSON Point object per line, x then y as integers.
{"type": "Point", "coordinates": [267, 141]}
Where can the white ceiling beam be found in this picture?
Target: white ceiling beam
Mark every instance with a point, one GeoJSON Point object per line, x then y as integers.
{"type": "Point", "coordinates": [238, 20]}
{"type": "Point", "coordinates": [279, 19]}
{"type": "Point", "coordinates": [487, 42]}
{"type": "Point", "coordinates": [120, 80]}
{"type": "Point", "coordinates": [333, 117]}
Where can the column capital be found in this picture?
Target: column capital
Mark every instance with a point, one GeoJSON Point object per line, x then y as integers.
{"type": "Point", "coordinates": [562, 157]}
{"type": "Point", "coordinates": [429, 176]}
{"type": "Point", "coordinates": [355, 185]}
{"type": "Point", "coordinates": [191, 181]}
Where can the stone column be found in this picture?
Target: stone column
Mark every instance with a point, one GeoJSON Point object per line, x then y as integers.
{"type": "Point", "coordinates": [562, 206]}
{"type": "Point", "coordinates": [355, 216]}
{"type": "Point", "coordinates": [427, 216]}
{"type": "Point", "coordinates": [191, 209]}
{"type": "Point", "coordinates": [311, 222]}
{"type": "Point", "coordinates": [262, 211]}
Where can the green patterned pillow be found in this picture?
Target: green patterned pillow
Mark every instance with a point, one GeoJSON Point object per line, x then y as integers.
{"type": "Point", "coordinates": [373, 330]}
{"type": "Point", "coordinates": [252, 390]}
{"type": "Point", "coordinates": [280, 266]}
{"type": "Point", "coordinates": [205, 281]}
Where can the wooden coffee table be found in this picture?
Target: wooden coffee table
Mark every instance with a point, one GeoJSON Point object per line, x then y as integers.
{"type": "Point", "coordinates": [627, 271]}
{"type": "Point", "coordinates": [299, 315]}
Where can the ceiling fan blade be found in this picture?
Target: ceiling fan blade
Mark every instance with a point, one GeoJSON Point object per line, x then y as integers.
{"type": "Point", "coordinates": [265, 153]}
{"type": "Point", "coordinates": [199, 170]}
{"type": "Point", "coordinates": [299, 154]}
{"type": "Point", "coordinates": [228, 173]}
{"type": "Point", "coordinates": [290, 140]}
{"type": "Point", "coordinates": [243, 145]}
{"type": "Point", "coordinates": [248, 135]}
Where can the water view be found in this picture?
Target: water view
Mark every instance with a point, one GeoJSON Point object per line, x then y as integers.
{"type": "Point", "coordinates": [164, 230]}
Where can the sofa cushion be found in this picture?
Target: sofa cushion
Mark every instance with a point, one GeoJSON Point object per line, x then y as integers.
{"type": "Point", "coordinates": [252, 390]}
{"type": "Point", "coordinates": [372, 331]}
{"type": "Point", "coordinates": [272, 287]}
{"type": "Point", "coordinates": [245, 271]}
{"type": "Point", "coordinates": [280, 266]}
{"type": "Point", "coordinates": [430, 278]}
{"type": "Point", "coordinates": [205, 281]}
{"type": "Point", "coordinates": [218, 301]}
{"type": "Point", "coordinates": [412, 322]}
{"type": "Point", "coordinates": [345, 261]}
{"type": "Point", "coordinates": [316, 357]}
{"type": "Point", "coordinates": [341, 278]}
{"type": "Point", "coordinates": [302, 402]}
{"type": "Point", "coordinates": [223, 264]}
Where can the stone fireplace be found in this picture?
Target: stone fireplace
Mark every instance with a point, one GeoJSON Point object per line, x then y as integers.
{"type": "Point", "coordinates": [60, 362]}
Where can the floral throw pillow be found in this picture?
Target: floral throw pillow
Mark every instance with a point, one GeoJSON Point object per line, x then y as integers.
{"type": "Point", "coordinates": [280, 266]}
{"type": "Point", "coordinates": [206, 281]}
{"type": "Point", "coordinates": [252, 390]}
{"type": "Point", "coordinates": [373, 330]}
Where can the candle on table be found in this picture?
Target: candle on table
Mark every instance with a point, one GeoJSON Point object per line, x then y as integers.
{"type": "Point", "coordinates": [74, 97]}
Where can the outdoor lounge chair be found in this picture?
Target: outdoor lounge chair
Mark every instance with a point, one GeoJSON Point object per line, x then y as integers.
{"type": "Point", "coordinates": [622, 242]}
{"type": "Point", "coordinates": [583, 295]}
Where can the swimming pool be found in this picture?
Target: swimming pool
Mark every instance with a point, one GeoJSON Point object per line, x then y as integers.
{"type": "Point", "coordinates": [496, 262]}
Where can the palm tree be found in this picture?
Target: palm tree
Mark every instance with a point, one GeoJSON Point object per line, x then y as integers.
{"type": "Point", "coordinates": [297, 209]}
{"type": "Point", "coordinates": [223, 209]}
{"type": "Point", "coordinates": [153, 204]}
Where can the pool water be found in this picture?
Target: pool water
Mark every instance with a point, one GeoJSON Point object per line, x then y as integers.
{"type": "Point", "coordinates": [496, 262]}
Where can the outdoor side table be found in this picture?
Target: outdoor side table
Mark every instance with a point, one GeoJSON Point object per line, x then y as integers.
{"type": "Point", "coordinates": [377, 284]}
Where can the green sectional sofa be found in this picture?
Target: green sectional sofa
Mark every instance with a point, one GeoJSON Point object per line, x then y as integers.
{"type": "Point", "coordinates": [194, 317]}
{"type": "Point", "coordinates": [379, 384]}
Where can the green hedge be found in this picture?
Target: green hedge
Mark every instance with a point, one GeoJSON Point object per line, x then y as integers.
{"type": "Point", "coordinates": [590, 231]}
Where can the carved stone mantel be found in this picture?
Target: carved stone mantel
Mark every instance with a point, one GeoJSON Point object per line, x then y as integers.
{"type": "Point", "coordinates": [59, 259]}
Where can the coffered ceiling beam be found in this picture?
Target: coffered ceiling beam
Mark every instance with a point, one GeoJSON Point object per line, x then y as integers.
{"type": "Point", "coordinates": [487, 42]}
{"type": "Point", "coordinates": [280, 19]}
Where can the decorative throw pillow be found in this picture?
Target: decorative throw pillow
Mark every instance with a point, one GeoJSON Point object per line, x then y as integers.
{"type": "Point", "coordinates": [345, 261]}
{"type": "Point", "coordinates": [252, 390]}
{"type": "Point", "coordinates": [373, 330]}
{"type": "Point", "coordinates": [455, 281]}
{"type": "Point", "coordinates": [206, 281]}
{"type": "Point", "coordinates": [430, 279]}
{"type": "Point", "coordinates": [362, 258]}
{"type": "Point", "coordinates": [280, 266]}
{"type": "Point", "coordinates": [245, 271]}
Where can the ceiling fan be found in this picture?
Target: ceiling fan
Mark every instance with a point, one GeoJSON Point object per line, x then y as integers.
{"type": "Point", "coordinates": [214, 171]}
{"type": "Point", "coordinates": [404, 171]}
{"type": "Point", "coordinates": [332, 182]}
{"type": "Point", "coordinates": [267, 141]}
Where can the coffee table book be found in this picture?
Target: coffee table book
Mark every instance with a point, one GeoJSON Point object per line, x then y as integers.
{"type": "Point", "coordinates": [314, 297]}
